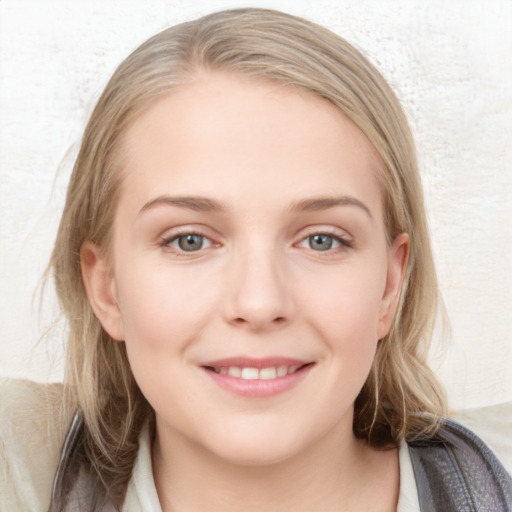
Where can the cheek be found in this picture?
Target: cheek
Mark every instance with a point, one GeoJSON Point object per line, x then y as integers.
{"type": "Point", "coordinates": [161, 308]}
{"type": "Point", "coordinates": [346, 303]}
{"type": "Point", "coordinates": [345, 317]}
{"type": "Point", "coordinates": [163, 313]}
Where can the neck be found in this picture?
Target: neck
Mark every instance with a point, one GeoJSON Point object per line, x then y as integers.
{"type": "Point", "coordinates": [338, 473]}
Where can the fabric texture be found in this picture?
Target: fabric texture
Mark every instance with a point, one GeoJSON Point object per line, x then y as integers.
{"type": "Point", "coordinates": [456, 471]}
{"type": "Point", "coordinates": [33, 426]}
{"type": "Point", "coordinates": [408, 497]}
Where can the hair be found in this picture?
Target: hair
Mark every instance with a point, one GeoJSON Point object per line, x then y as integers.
{"type": "Point", "coordinates": [401, 399]}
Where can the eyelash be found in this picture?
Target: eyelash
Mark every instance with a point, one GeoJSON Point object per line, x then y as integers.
{"type": "Point", "coordinates": [165, 242]}
{"type": "Point", "coordinates": [344, 243]}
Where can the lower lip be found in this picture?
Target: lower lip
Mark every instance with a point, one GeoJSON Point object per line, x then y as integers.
{"type": "Point", "coordinates": [258, 388]}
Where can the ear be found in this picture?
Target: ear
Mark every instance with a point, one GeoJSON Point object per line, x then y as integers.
{"type": "Point", "coordinates": [397, 266]}
{"type": "Point", "coordinates": [101, 289]}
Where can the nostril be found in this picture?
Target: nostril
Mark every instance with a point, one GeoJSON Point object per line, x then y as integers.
{"type": "Point", "coordinates": [277, 320]}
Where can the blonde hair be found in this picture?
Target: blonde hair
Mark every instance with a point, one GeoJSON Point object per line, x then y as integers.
{"type": "Point", "coordinates": [401, 399]}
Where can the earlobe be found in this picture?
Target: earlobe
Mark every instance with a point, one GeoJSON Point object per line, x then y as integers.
{"type": "Point", "coordinates": [397, 267]}
{"type": "Point", "coordinates": [101, 289]}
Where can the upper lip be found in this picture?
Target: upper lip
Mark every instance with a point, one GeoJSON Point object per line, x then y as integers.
{"type": "Point", "coordinates": [251, 362]}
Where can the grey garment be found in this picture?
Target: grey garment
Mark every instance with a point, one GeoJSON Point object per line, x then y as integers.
{"type": "Point", "coordinates": [456, 472]}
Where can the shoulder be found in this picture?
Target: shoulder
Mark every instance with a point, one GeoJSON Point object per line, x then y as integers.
{"type": "Point", "coordinates": [33, 425]}
{"type": "Point", "coordinates": [455, 470]}
{"type": "Point", "coordinates": [493, 424]}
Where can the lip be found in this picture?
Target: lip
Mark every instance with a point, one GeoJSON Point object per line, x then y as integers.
{"type": "Point", "coordinates": [255, 362]}
{"type": "Point", "coordinates": [257, 388]}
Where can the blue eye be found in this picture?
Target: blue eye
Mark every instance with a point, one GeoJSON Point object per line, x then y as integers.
{"type": "Point", "coordinates": [322, 242]}
{"type": "Point", "coordinates": [189, 242]}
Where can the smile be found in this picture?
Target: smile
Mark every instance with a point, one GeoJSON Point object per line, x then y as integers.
{"type": "Point", "coordinates": [249, 373]}
{"type": "Point", "coordinates": [257, 378]}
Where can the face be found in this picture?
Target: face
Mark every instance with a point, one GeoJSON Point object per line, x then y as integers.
{"type": "Point", "coordinates": [249, 273]}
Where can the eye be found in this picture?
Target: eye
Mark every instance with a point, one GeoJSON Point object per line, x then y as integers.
{"type": "Point", "coordinates": [323, 242]}
{"type": "Point", "coordinates": [320, 242]}
{"type": "Point", "coordinates": [188, 242]}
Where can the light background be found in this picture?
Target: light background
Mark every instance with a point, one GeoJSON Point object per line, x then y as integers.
{"type": "Point", "coordinates": [449, 62]}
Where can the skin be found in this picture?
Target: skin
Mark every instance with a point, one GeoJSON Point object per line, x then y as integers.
{"type": "Point", "coordinates": [263, 154]}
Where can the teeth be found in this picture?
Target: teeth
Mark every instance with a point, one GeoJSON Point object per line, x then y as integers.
{"type": "Point", "coordinates": [282, 371]}
{"type": "Point", "coordinates": [250, 373]}
{"type": "Point", "coordinates": [270, 373]}
{"type": "Point", "coordinates": [234, 371]}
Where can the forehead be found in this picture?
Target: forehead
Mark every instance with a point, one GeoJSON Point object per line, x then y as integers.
{"type": "Point", "coordinates": [226, 135]}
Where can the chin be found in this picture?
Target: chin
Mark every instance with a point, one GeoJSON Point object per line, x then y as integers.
{"type": "Point", "coordinates": [256, 455]}
{"type": "Point", "coordinates": [258, 445]}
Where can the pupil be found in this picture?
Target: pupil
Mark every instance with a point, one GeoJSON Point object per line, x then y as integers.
{"type": "Point", "coordinates": [190, 242]}
{"type": "Point", "coordinates": [320, 242]}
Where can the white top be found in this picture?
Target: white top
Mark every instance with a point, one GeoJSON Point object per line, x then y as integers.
{"type": "Point", "coordinates": [408, 497]}
{"type": "Point", "coordinates": [142, 493]}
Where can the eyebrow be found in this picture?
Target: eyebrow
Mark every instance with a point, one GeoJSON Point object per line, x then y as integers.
{"type": "Point", "coordinates": [324, 203]}
{"type": "Point", "coordinates": [195, 203]}
{"type": "Point", "coordinates": [204, 204]}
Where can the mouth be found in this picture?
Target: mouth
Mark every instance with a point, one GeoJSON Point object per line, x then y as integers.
{"type": "Point", "coordinates": [254, 373]}
{"type": "Point", "coordinates": [257, 378]}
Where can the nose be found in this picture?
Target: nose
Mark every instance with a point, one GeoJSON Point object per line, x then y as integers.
{"type": "Point", "coordinates": [259, 295]}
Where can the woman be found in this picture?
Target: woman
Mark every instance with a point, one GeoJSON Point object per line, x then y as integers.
{"type": "Point", "coordinates": [245, 266]}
